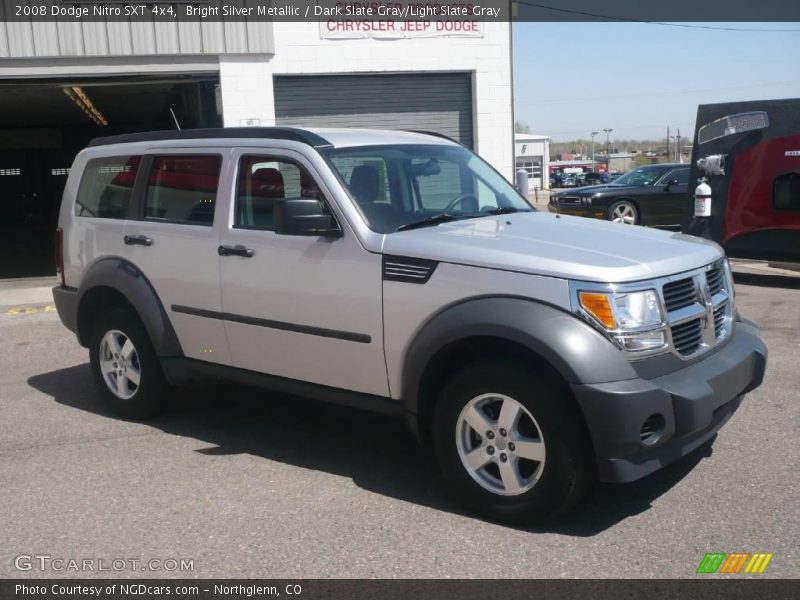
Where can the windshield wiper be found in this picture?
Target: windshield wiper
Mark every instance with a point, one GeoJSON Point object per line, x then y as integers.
{"type": "Point", "coordinates": [435, 220]}
{"type": "Point", "coordinates": [507, 210]}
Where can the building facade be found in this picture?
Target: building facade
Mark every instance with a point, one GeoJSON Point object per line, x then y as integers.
{"type": "Point", "coordinates": [533, 154]}
{"type": "Point", "coordinates": [65, 83]}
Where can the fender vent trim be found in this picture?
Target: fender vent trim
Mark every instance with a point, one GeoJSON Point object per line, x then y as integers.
{"type": "Point", "coordinates": [407, 270]}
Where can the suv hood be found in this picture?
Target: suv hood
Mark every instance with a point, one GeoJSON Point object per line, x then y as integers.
{"type": "Point", "coordinates": [558, 246]}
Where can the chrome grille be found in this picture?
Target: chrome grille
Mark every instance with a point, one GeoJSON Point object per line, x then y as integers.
{"type": "Point", "coordinates": [679, 294]}
{"type": "Point", "coordinates": [714, 278]}
{"type": "Point", "coordinates": [687, 337]}
{"type": "Point", "coordinates": [719, 319]}
{"type": "Point", "coordinates": [699, 309]}
{"type": "Point", "coordinates": [569, 200]}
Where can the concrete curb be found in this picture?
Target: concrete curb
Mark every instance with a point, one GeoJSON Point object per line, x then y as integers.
{"type": "Point", "coordinates": [26, 292]}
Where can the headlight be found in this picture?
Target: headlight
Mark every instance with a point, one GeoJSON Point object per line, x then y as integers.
{"type": "Point", "coordinates": [586, 199]}
{"type": "Point", "coordinates": [633, 319]}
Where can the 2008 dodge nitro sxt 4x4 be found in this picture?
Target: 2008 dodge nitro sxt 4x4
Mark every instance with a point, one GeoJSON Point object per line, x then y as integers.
{"type": "Point", "coordinates": [398, 272]}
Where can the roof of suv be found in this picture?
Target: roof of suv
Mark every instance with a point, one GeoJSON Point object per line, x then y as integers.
{"type": "Point", "coordinates": [316, 137]}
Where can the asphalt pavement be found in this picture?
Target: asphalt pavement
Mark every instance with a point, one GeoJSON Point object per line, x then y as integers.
{"type": "Point", "coordinates": [249, 484]}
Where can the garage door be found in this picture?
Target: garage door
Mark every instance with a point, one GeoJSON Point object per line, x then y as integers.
{"type": "Point", "coordinates": [440, 102]}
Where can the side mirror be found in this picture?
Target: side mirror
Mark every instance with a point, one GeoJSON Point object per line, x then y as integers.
{"type": "Point", "coordinates": [669, 184]}
{"type": "Point", "coordinates": [304, 216]}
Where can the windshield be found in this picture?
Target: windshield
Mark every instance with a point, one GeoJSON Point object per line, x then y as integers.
{"type": "Point", "coordinates": [395, 186]}
{"type": "Point", "coordinates": [641, 176]}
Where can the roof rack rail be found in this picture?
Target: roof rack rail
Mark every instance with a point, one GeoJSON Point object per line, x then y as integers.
{"type": "Point", "coordinates": [280, 133]}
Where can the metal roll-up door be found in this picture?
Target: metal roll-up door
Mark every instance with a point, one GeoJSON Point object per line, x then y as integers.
{"type": "Point", "coordinates": [440, 102]}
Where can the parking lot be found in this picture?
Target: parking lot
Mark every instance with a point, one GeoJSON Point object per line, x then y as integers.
{"type": "Point", "coordinates": [251, 485]}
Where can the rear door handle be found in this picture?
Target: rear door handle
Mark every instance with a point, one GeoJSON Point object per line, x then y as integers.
{"type": "Point", "coordinates": [237, 250]}
{"type": "Point", "coordinates": [140, 240]}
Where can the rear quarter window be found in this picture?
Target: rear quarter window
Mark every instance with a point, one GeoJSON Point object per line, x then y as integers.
{"type": "Point", "coordinates": [106, 187]}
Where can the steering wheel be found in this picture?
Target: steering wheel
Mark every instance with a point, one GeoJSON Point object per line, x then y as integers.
{"type": "Point", "coordinates": [459, 199]}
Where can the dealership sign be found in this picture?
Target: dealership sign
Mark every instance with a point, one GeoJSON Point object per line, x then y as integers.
{"type": "Point", "coordinates": [348, 29]}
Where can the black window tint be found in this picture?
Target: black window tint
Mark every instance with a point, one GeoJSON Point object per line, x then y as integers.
{"type": "Point", "coordinates": [183, 189]}
{"type": "Point", "coordinates": [681, 175]}
{"type": "Point", "coordinates": [106, 187]}
{"type": "Point", "coordinates": [262, 181]}
{"type": "Point", "coordinates": [786, 192]}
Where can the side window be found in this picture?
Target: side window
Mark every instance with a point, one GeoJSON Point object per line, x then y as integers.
{"type": "Point", "coordinates": [682, 175]}
{"type": "Point", "coordinates": [262, 181]}
{"type": "Point", "coordinates": [106, 187]}
{"type": "Point", "coordinates": [786, 192]}
{"type": "Point", "coordinates": [183, 189]}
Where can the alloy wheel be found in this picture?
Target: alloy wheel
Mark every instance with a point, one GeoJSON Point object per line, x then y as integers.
{"type": "Point", "coordinates": [119, 364]}
{"type": "Point", "coordinates": [500, 444]}
{"type": "Point", "coordinates": [624, 213]}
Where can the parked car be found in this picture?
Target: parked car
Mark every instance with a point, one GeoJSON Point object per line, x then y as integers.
{"type": "Point", "coordinates": [650, 195]}
{"type": "Point", "coordinates": [398, 272]}
{"type": "Point", "coordinates": [568, 180]}
{"type": "Point", "coordinates": [555, 180]}
{"type": "Point", "coordinates": [595, 178]}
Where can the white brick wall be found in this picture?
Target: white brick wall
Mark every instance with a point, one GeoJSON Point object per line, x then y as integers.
{"type": "Point", "coordinates": [247, 80]}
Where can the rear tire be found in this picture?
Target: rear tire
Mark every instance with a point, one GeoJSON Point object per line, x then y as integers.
{"type": "Point", "coordinates": [125, 367]}
{"type": "Point", "coordinates": [533, 440]}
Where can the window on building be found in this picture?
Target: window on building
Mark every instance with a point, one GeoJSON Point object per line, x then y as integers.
{"type": "Point", "coordinates": [262, 181]}
{"type": "Point", "coordinates": [183, 189]}
{"type": "Point", "coordinates": [786, 192]}
{"type": "Point", "coordinates": [106, 187]}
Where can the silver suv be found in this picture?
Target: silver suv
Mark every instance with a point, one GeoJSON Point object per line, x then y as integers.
{"type": "Point", "coordinates": [400, 273]}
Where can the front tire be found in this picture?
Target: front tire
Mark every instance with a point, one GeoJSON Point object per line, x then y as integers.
{"type": "Point", "coordinates": [510, 443]}
{"type": "Point", "coordinates": [124, 366]}
{"type": "Point", "coordinates": [623, 211]}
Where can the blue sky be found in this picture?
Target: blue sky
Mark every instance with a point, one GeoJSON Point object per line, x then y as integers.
{"type": "Point", "coordinates": [574, 78]}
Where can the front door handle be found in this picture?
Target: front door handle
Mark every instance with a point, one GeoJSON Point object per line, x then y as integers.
{"type": "Point", "coordinates": [237, 250]}
{"type": "Point", "coordinates": [140, 240]}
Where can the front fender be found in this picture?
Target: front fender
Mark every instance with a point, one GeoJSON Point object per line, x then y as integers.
{"type": "Point", "coordinates": [579, 353]}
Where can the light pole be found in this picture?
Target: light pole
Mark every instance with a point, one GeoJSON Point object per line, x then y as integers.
{"type": "Point", "coordinates": [594, 133]}
{"type": "Point", "coordinates": [608, 132]}
{"type": "Point", "coordinates": [677, 139]}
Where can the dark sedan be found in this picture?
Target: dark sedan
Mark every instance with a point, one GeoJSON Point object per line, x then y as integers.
{"type": "Point", "coordinates": [596, 178]}
{"type": "Point", "coordinates": [650, 195]}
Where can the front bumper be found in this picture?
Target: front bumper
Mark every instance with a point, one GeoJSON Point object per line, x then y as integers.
{"type": "Point", "coordinates": [692, 404]}
{"type": "Point", "coordinates": [577, 210]}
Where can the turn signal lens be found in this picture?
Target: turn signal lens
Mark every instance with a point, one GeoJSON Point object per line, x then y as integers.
{"type": "Point", "coordinates": [599, 306]}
